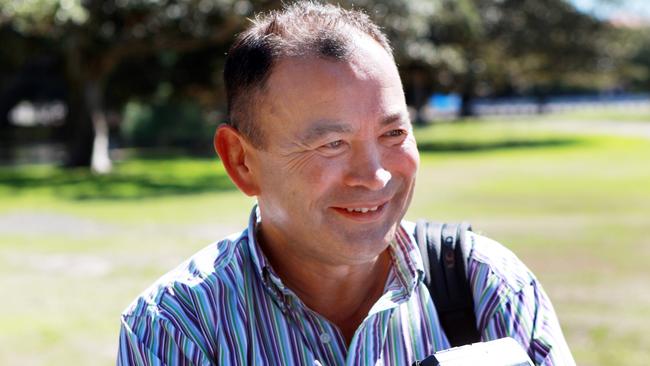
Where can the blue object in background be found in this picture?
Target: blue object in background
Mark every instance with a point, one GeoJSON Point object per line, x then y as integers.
{"type": "Point", "coordinates": [448, 103]}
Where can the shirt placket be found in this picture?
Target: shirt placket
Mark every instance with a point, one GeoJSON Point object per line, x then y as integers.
{"type": "Point", "coordinates": [367, 344]}
{"type": "Point", "coordinates": [320, 335]}
{"type": "Point", "coordinates": [322, 341]}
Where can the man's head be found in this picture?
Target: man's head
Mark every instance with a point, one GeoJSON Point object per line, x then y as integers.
{"type": "Point", "coordinates": [299, 30]}
{"type": "Point", "coordinates": [334, 166]}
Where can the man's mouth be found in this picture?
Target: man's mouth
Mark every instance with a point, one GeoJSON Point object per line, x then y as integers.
{"type": "Point", "coordinates": [362, 212]}
{"type": "Point", "coordinates": [362, 209]}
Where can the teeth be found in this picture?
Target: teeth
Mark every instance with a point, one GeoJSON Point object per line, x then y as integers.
{"type": "Point", "coordinates": [362, 209]}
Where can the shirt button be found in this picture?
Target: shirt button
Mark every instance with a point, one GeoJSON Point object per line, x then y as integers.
{"type": "Point", "coordinates": [325, 338]}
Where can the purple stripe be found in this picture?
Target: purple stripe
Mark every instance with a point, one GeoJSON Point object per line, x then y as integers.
{"type": "Point", "coordinates": [234, 316]}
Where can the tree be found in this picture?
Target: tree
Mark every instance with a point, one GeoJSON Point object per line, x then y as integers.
{"type": "Point", "coordinates": [98, 36]}
{"type": "Point", "coordinates": [424, 63]}
{"type": "Point", "coordinates": [485, 46]}
{"type": "Point", "coordinates": [115, 50]}
{"type": "Point", "coordinates": [527, 45]}
{"type": "Point", "coordinates": [634, 44]}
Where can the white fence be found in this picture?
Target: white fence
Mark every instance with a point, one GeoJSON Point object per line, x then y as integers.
{"type": "Point", "coordinates": [531, 106]}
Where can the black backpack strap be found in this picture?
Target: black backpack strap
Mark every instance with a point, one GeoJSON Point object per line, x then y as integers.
{"type": "Point", "coordinates": [445, 255]}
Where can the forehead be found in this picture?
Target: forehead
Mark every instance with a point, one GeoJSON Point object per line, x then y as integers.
{"type": "Point", "coordinates": [306, 90]}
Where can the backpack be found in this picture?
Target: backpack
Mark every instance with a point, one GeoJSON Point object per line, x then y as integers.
{"type": "Point", "coordinates": [445, 255]}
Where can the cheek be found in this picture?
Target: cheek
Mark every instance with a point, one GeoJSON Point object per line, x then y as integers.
{"type": "Point", "coordinates": [405, 161]}
{"type": "Point", "coordinates": [312, 171]}
{"type": "Point", "coordinates": [303, 180]}
{"type": "Point", "coordinates": [322, 174]}
{"type": "Point", "coordinates": [414, 159]}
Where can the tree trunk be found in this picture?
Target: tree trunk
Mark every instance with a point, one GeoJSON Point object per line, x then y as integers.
{"type": "Point", "coordinates": [100, 161]}
{"type": "Point", "coordinates": [468, 91]}
{"type": "Point", "coordinates": [466, 100]}
{"type": "Point", "coordinates": [79, 136]}
{"type": "Point", "coordinates": [417, 93]}
{"type": "Point", "coordinates": [88, 133]}
{"type": "Point", "coordinates": [79, 139]}
{"type": "Point", "coordinates": [7, 148]}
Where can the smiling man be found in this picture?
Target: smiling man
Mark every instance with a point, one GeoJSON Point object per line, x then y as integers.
{"type": "Point", "coordinates": [326, 272]}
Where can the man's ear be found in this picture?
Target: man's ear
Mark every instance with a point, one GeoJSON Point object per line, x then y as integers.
{"type": "Point", "coordinates": [233, 151]}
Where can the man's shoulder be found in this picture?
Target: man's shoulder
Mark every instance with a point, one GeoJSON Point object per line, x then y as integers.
{"type": "Point", "coordinates": [491, 258]}
{"type": "Point", "coordinates": [213, 269]}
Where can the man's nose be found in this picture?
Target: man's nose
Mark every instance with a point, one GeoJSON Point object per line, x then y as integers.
{"type": "Point", "coordinates": [367, 170]}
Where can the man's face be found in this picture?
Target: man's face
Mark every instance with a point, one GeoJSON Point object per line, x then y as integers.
{"type": "Point", "coordinates": [338, 168]}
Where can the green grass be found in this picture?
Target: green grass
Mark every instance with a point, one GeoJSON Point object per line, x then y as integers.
{"type": "Point", "coordinates": [75, 248]}
{"type": "Point", "coordinates": [577, 212]}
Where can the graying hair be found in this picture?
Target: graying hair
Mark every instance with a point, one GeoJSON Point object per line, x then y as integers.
{"type": "Point", "coordinates": [301, 29]}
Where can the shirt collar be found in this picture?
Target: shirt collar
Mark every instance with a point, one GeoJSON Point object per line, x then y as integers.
{"type": "Point", "coordinates": [260, 262]}
{"type": "Point", "coordinates": [407, 262]}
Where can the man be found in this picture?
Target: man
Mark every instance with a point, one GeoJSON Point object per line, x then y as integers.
{"type": "Point", "coordinates": [326, 272]}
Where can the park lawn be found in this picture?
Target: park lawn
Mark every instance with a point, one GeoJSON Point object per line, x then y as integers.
{"type": "Point", "coordinates": [578, 215]}
{"type": "Point", "coordinates": [76, 249]}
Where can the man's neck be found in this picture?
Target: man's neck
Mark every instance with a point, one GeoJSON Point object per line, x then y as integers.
{"type": "Point", "coordinates": [343, 294]}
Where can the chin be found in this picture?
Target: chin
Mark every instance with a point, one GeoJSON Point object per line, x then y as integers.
{"type": "Point", "coordinates": [372, 238]}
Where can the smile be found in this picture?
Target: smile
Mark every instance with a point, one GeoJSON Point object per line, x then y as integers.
{"type": "Point", "coordinates": [363, 212]}
{"type": "Point", "coordinates": [362, 209]}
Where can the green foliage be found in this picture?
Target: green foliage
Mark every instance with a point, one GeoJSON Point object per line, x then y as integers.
{"type": "Point", "coordinates": [635, 44]}
{"type": "Point", "coordinates": [172, 124]}
{"type": "Point", "coordinates": [479, 47]}
{"type": "Point", "coordinates": [95, 38]}
{"type": "Point", "coordinates": [521, 44]}
{"type": "Point", "coordinates": [41, 16]}
{"type": "Point", "coordinates": [123, 50]}
{"type": "Point", "coordinates": [118, 18]}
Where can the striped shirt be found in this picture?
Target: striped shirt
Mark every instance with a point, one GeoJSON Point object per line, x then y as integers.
{"type": "Point", "coordinates": [227, 306]}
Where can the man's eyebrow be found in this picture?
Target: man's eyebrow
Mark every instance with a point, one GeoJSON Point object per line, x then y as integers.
{"type": "Point", "coordinates": [325, 127]}
{"type": "Point", "coordinates": [322, 128]}
{"type": "Point", "coordinates": [395, 117]}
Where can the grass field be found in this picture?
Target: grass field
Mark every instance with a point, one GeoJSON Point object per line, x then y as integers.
{"type": "Point", "coordinates": [76, 249]}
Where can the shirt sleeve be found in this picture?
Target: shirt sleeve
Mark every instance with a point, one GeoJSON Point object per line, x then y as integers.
{"type": "Point", "coordinates": [153, 339]}
{"type": "Point", "coordinates": [510, 302]}
{"type": "Point", "coordinates": [528, 317]}
{"type": "Point", "coordinates": [546, 332]}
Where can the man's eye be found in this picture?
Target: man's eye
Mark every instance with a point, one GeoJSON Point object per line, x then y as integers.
{"type": "Point", "coordinates": [395, 133]}
{"type": "Point", "coordinates": [334, 144]}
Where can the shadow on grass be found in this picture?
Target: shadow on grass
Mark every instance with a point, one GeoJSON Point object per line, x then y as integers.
{"type": "Point", "coordinates": [164, 175]}
{"type": "Point", "coordinates": [133, 184]}
{"type": "Point", "coordinates": [473, 146]}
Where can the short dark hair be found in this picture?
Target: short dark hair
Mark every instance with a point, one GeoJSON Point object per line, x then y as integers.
{"type": "Point", "coordinates": [301, 29]}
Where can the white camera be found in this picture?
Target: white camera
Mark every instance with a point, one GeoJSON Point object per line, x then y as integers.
{"type": "Point", "coordinates": [501, 352]}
